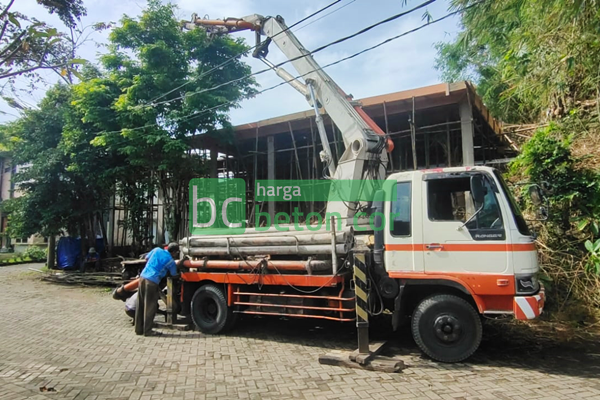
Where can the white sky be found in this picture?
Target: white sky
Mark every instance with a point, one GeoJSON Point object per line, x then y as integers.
{"type": "Point", "coordinates": [400, 65]}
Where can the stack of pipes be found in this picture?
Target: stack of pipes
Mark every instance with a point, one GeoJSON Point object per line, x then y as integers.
{"type": "Point", "coordinates": [307, 244]}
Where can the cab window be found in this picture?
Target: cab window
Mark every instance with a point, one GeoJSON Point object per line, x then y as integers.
{"type": "Point", "coordinates": [450, 199]}
{"type": "Point", "coordinates": [401, 210]}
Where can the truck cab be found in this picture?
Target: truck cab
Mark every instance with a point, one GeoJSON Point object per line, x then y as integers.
{"type": "Point", "coordinates": [457, 232]}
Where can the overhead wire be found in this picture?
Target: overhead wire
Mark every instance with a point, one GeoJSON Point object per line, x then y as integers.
{"type": "Point", "coordinates": [310, 53]}
{"type": "Point", "coordinates": [230, 59]}
{"type": "Point", "coordinates": [429, 23]}
{"type": "Point", "coordinates": [326, 15]}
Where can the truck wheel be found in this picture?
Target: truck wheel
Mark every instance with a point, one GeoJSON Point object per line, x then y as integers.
{"type": "Point", "coordinates": [446, 328]}
{"type": "Point", "coordinates": [209, 310]}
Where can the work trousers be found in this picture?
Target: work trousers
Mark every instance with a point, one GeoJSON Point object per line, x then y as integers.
{"type": "Point", "coordinates": [147, 305]}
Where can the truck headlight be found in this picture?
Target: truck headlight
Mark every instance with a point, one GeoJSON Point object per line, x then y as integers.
{"type": "Point", "coordinates": [527, 284]}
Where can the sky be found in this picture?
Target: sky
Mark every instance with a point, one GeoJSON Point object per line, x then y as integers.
{"type": "Point", "coordinates": [403, 64]}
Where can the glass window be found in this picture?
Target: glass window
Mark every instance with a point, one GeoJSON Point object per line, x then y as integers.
{"type": "Point", "coordinates": [514, 208]}
{"type": "Point", "coordinates": [401, 210]}
{"type": "Point", "coordinates": [451, 200]}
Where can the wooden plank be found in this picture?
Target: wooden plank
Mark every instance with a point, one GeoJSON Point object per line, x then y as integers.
{"type": "Point", "coordinates": [379, 363]}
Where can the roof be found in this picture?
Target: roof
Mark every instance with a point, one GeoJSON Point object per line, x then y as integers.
{"type": "Point", "coordinates": [397, 102]}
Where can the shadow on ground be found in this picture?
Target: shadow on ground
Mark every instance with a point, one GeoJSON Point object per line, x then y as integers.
{"type": "Point", "coordinates": [501, 346]}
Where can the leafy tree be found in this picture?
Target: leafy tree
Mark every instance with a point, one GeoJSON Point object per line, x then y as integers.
{"type": "Point", "coordinates": [28, 45]}
{"type": "Point", "coordinates": [152, 99]}
{"type": "Point", "coordinates": [529, 57]}
{"type": "Point", "coordinates": [56, 197]}
{"type": "Point", "coordinates": [126, 128]}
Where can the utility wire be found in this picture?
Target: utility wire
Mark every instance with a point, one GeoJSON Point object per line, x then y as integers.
{"type": "Point", "coordinates": [326, 15]}
{"type": "Point", "coordinates": [185, 117]}
{"type": "Point", "coordinates": [230, 59]}
{"type": "Point", "coordinates": [318, 49]}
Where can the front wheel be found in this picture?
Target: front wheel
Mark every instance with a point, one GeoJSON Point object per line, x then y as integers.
{"type": "Point", "coordinates": [446, 328]}
{"type": "Point", "coordinates": [210, 312]}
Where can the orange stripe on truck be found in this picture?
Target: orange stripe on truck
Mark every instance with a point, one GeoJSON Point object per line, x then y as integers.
{"type": "Point", "coordinates": [490, 291]}
{"type": "Point", "coordinates": [464, 247]}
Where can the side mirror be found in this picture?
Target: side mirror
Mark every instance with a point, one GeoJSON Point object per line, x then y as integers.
{"type": "Point", "coordinates": [477, 189]}
{"type": "Point", "coordinates": [535, 193]}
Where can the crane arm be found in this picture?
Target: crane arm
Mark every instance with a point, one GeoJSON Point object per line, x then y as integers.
{"type": "Point", "coordinates": [347, 115]}
{"type": "Point", "coordinates": [365, 155]}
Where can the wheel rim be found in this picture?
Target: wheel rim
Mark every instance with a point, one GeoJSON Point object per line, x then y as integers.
{"type": "Point", "coordinates": [209, 310]}
{"type": "Point", "coordinates": [447, 329]}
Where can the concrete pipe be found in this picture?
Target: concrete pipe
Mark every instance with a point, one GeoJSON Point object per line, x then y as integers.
{"type": "Point", "coordinates": [307, 266]}
{"type": "Point", "coordinates": [265, 250]}
{"type": "Point", "coordinates": [260, 240]}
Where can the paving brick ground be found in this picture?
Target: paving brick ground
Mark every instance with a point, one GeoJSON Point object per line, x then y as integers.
{"type": "Point", "coordinates": [78, 342]}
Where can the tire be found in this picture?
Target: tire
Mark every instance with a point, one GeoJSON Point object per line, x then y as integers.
{"type": "Point", "coordinates": [446, 328]}
{"type": "Point", "coordinates": [209, 310]}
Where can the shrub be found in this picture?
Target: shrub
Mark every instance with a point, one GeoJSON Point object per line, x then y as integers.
{"type": "Point", "coordinates": [35, 253]}
{"type": "Point", "coordinates": [569, 240]}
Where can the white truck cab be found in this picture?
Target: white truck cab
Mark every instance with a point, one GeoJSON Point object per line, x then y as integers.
{"type": "Point", "coordinates": [457, 231]}
{"type": "Point", "coordinates": [437, 230]}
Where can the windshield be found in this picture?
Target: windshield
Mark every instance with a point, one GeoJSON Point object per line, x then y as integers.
{"type": "Point", "coordinates": [514, 208]}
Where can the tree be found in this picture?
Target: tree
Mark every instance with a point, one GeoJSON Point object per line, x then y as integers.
{"type": "Point", "coordinates": [28, 45]}
{"type": "Point", "coordinates": [155, 71]}
{"type": "Point", "coordinates": [529, 57]}
{"type": "Point", "coordinates": [125, 129]}
{"type": "Point", "coordinates": [57, 198]}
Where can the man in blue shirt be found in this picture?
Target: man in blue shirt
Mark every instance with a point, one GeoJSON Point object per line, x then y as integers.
{"type": "Point", "coordinates": [159, 263]}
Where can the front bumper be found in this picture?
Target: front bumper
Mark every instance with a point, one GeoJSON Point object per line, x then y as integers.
{"type": "Point", "coordinates": [529, 307]}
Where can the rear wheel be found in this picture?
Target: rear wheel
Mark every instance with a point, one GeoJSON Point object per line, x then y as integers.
{"type": "Point", "coordinates": [210, 312]}
{"type": "Point", "coordinates": [446, 328]}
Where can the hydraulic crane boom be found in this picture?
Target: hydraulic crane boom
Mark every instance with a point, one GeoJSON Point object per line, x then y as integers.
{"type": "Point", "coordinates": [365, 155]}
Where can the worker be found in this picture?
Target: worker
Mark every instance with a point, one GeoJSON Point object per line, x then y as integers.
{"type": "Point", "coordinates": [130, 304]}
{"type": "Point", "coordinates": [160, 262]}
{"type": "Point", "coordinates": [91, 259]}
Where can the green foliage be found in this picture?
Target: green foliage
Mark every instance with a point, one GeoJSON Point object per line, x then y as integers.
{"type": "Point", "coordinates": [570, 255]}
{"type": "Point", "coordinates": [574, 192]}
{"type": "Point", "coordinates": [56, 197]}
{"type": "Point", "coordinates": [149, 104]}
{"type": "Point", "coordinates": [35, 253]}
{"type": "Point", "coordinates": [128, 128]}
{"type": "Point", "coordinates": [573, 189]}
{"type": "Point", "coordinates": [528, 57]}
{"type": "Point", "coordinates": [28, 45]}
{"type": "Point", "coordinates": [594, 255]}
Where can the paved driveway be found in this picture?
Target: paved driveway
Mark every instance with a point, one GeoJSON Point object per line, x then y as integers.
{"type": "Point", "coordinates": [79, 343]}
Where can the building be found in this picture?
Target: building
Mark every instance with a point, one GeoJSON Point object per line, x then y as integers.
{"type": "Point", "coordinates": [8, 190]}
{"type": "Point", "coordinates": [434, 126]}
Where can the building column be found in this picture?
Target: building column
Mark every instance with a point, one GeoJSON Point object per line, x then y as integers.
{"type": "Point", "coordinates": [160, 217]}
{"type": "Point", "coordinates": [214, 155]}
{"type": "Point", "coordinates": [271, 171]}
{"type": "Point", "coordinates": [110, 230]}
{"type": "Point", "coordinates": [467, 132]}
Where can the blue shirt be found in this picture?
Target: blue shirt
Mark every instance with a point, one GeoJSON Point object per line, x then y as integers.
{"type": "Point", "coordinates": [159, 262]}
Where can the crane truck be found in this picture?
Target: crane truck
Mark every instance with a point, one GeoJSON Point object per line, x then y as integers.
{"type": "Point", "coordinates": [443, 248]}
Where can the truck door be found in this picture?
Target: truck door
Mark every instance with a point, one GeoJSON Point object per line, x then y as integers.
{"type": "Point", "coordinates": [402, 235]}
{"type": "Point", "coordinates": [461, 234]}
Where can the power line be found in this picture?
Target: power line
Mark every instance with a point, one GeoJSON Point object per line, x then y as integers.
{"type": "Point", "coordinates": [318, 49]}
{"type": "Point", "coordinates": [326, 15]}
{"type": "Point", "coordinates": [185, 117]}
{"type": "Point", "coordinates": [230, 59]}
